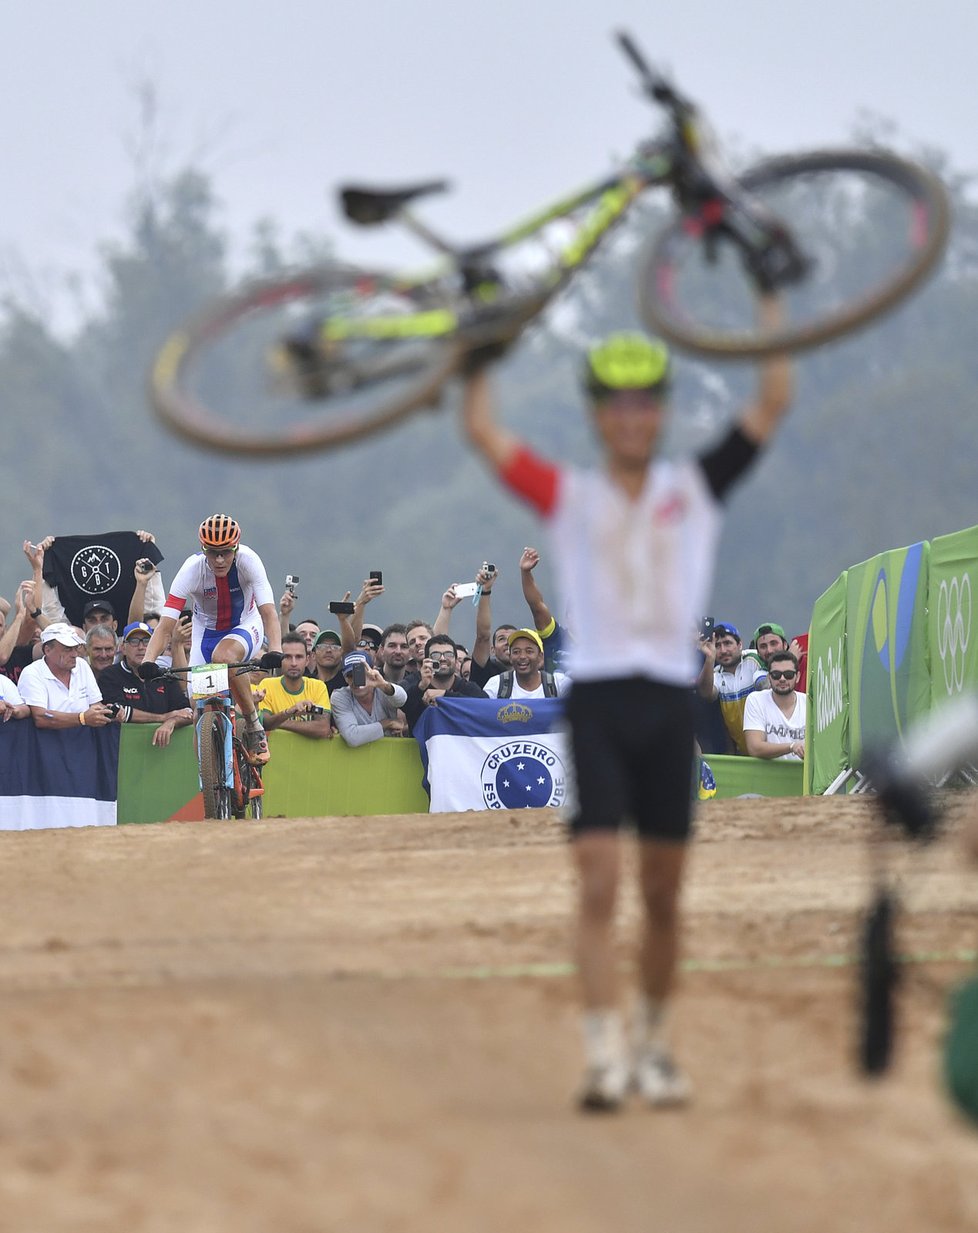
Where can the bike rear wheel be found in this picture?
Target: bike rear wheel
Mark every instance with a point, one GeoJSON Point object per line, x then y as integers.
{"type": "Point", "coordinates": [367, 350]}
{"type": "Point", "coordinates": [210, 751]}
{"type": "Point", "coordinates": [874, 226]}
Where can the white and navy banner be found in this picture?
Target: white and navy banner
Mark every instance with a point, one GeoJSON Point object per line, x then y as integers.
{"type": "Point", "coordinates": [488, 754]}
{"type": "Point", "coordinates": [57, 778]}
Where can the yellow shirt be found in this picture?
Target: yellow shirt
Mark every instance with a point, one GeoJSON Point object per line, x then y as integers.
{"type": "Point", "coordinates": [278, 698]}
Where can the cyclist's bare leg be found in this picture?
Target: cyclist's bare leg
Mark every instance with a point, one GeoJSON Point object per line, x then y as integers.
{"type": "Point", "coordinates": [661, 867]}
{"type": "Point", "coordinates": [597, 855]}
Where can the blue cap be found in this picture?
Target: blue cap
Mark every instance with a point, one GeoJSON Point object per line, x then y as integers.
{"type": "Point", "coordinates": [134, 627]}
{"type": "Point", "coordinates": [357, 657]}
{"type": "Point", "coordinates": [722, 627]}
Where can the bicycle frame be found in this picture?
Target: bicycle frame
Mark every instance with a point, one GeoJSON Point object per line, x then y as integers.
{"type": "Point", "coordinates": [611, 198]}
{"type": "Point", "coordinates": [210, 691]}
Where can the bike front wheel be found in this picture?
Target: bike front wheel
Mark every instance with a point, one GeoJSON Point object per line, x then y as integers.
{"type": "Point", "coordinates": [309, 360]}
{"type": "Point", "coordinates": [872, 226]}
{"type": "Point", "coordinates": [211, 731]}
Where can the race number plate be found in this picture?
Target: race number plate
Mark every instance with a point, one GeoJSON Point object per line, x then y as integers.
{"type": "Point", "coordinates": [207, 680]}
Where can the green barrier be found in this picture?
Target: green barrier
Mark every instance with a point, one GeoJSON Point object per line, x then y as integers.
{"type": "Point", "coordinates": [953, 584]}
{"type": "Point", "coordinates": [739, 776]}
{"type": "Point", "coordinates": [827, 727]}
{"type": "Point", "coordinates": [886, 646]}
{"type": "Point", "coordinates": [158, 785]}
{"type": "Point", "coordinates": [305, 778]}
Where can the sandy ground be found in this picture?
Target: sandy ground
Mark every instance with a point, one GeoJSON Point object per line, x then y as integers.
{"type": "Point", "coordinates": [369, 1024]}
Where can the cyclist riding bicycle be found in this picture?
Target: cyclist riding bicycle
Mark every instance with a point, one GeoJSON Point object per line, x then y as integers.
{"type": "Point", "coordinates": [233, 611]}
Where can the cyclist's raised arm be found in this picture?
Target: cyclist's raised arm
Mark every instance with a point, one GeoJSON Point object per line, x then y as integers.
{"type": "Point", "coordinates": [775, 380]}
{"type": "Point", "coordinates": [497, 445]}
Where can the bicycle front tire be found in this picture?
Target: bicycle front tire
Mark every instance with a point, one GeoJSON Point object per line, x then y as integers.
{"type": "Point", "coordinates": [840, 205]}
{"type": "Point", "coordinates": [210, 752]}
{"type": "Point", "coordinates": [210, 383]}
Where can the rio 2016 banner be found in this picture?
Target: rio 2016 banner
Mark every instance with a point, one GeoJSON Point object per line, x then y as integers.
{"type": "Point", "coordinates": [886, 636]}
{"type": "Point", "coordinates": [828, 690]}
{"type": "Point", "coordinates": [953, 592]}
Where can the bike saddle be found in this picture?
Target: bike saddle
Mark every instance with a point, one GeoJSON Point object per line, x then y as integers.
{"type": "Point", "coordinates": [369, 205]}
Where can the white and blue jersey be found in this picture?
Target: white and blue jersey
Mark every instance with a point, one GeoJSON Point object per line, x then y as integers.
{"type": "Point", "coordinates": [222, 607]}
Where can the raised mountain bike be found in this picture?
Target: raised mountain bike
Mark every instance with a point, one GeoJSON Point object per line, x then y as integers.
{"type": "Point", "coordinates": [230, 781]}
{"type": "Point", "coordinates": [841, 235]}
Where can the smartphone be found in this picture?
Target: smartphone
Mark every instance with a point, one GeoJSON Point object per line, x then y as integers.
{"type": "Point", "coordinates": [342, 607]}
{"type": "Point", "coordinates": [465, 589]}
{"type": "Point", "coordinates": [359, 674]}
{"type": "Point", "coordinates": [377, 575]}
{"type": "Point", "coordinates": [706, 627]}
{"type": "Point", "coordinates": [291, 582]}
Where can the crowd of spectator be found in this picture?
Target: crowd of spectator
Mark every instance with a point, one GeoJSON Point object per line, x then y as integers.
{"type": "Point", "coordinates": [356, 680]}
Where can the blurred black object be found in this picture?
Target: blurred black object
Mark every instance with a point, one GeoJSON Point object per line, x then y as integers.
{"type": "Point", "coordinates": [878, 980]}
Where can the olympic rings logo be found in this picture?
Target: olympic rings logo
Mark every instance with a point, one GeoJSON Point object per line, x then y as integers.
{"type": "Point", "coordinates": [954, 629]}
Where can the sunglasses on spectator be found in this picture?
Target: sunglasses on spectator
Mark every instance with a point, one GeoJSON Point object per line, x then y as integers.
{"type": "Point", "coordinates": [366, 642]}
{"type": "Point", "coordinates": [441, 655]}
{"type": "Point", "coordinates": [776, 674]}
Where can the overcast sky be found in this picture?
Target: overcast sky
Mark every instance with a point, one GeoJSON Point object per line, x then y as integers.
{"type": "Point", "coordinates": [517, 101]}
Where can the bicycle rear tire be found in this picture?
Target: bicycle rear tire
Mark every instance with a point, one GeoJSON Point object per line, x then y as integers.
{"type": "Point", "coordinates": [210, 752]}
{"type": "Point", "coordinates": [721, 324]}
{"type": "Point", "coordinates": [229, 334]}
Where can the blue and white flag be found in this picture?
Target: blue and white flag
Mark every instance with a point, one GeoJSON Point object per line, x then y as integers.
{"type": "Point", "coordinates": [63, 777]}
{"type": "Point", "coordinates": [482, 753]}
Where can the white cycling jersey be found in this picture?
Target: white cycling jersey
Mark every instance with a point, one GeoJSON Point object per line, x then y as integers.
{"type": "Point", "coordinates": [221, 606]}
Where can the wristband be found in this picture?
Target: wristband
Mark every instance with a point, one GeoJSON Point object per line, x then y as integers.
{"type": "Point", "coordinates": [35, 614]}
{"type": "Point", "coordinates": [81, 718]}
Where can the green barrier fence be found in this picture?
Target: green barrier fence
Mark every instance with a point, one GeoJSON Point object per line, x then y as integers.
{"type": "Point", "coordinates": [886, 647]}
{"type": "Point", "coordinates": [953, 586]}
{"type": "Point", "coordinates": [903, 638]}
{"type": "Point", "coordinates": [305, 778]}
{"type": "Point", "coordinates": [316, 779]}
{"type": "Point", "coordinates": [739, 776]}
{"type": "Point", "coordinates": [828, 690]}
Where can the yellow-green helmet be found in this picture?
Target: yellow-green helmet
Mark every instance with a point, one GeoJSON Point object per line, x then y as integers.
{"type": "Point", "coordinates": [626, 362]}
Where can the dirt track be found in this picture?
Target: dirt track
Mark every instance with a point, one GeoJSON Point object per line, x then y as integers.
{"type": "Point", "coordinates": [368, 1024]}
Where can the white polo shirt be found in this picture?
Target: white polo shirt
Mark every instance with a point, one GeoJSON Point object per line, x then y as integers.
{"type": "Point", "coordinates": [9, 692]}
{"type": "Point", "coordinates": [40, 687]}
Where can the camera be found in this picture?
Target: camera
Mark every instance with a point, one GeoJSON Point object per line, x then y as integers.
{"type": "Point", "coordinates": [342, 607]}
{"type": "Point", "coordinates": [291, 582]}
{"type": "Point", "coordinates": [377, 575]}
{"type": "Point", "coordinates": [487, 568]}
{"type": "Point", "coordinates": [316, 711]}
{"type": "Point", "coordinates": [113, 708]}
{"type": "Point", "coordinates": [145, 566]}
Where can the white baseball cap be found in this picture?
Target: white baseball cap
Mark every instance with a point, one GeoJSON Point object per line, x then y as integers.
{"type": "Point", "coordinates": [61, 631]}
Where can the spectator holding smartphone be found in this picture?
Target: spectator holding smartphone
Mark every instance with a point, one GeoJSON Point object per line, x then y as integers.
{"type": "Point", "coordinates": [370, 709]}
{"type": "Point", "coordinates": [294, 702]}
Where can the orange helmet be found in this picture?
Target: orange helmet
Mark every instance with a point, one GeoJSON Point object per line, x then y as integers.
{"type": "Point", "coordinates": [219, 531]}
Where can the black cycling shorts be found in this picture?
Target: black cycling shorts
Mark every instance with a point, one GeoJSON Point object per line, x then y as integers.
{"type": "Point", "coordinates": [633, 748]}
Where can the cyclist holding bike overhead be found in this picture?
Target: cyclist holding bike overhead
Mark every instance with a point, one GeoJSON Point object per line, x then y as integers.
{"type": "Point", "coordinates": [634, 546]}
{"type": "Point", "coordinates": [233, 610]}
